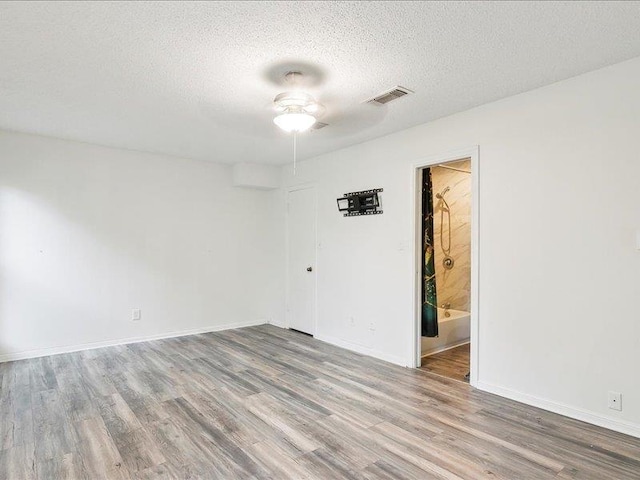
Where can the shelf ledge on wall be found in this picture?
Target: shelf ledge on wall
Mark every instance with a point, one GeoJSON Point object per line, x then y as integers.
{"type": "Point", "coordinates": [254, 175]}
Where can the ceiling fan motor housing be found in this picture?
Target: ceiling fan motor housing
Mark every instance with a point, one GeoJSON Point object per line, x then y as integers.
{"type": "Point", "coordinates": [295, 102]}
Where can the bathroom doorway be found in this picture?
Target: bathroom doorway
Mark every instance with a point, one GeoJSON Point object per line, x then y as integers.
{"type": "Point", "coordinates": [446, 267]}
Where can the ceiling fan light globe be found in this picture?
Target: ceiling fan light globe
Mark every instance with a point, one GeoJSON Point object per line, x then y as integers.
{"type": "Point", "coordinates": [294, 122]}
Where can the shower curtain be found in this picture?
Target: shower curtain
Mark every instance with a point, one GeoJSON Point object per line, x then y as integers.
{"type": "Point", "coordinates": [429, 301]}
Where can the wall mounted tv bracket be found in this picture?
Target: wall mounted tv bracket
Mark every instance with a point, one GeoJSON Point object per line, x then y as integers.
{"type": "Point", "coordinates": [366, 202]}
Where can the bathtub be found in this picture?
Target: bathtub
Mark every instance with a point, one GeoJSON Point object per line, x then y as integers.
{"type": "Point", "coordinates": [453, 331]}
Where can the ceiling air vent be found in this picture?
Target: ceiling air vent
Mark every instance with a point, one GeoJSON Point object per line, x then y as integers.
{"type": "Point", "coordinates": [389, 95]}
{"type": "Point", "coordinates": [319, 125]}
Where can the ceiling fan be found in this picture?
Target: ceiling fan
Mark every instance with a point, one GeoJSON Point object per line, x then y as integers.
{"type": "Point", "coordinates": [296, 110]}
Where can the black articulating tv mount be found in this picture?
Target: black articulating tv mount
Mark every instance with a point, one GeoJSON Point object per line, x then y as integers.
{"type": "Point", "coordinates": [366, 202]}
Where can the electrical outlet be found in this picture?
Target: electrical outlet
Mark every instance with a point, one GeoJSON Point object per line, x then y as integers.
{"type": "Point", "coordinates": [352, 321]}
{"type": "Point", "coordinates": [615, 401]}
{"type": "Point", "coordinates": [136, 314]}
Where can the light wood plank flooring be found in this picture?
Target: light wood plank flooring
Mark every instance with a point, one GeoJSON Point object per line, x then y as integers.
{"type": "Point", "coordinates": [262, 402]}
{"type": "Point", "coordinates": [452, 363]}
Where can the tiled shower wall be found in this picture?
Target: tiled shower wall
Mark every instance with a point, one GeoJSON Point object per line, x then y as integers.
{"type": "Point", "coordinates": [453, 286]}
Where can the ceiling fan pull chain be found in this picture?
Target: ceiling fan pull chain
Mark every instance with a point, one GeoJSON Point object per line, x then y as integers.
{"type": "Point", "coordinates": [295, 153]}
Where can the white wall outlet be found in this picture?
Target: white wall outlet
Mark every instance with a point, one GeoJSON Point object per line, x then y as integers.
{"type": "Point", "coordinates": [615, 401]}
{"type": "Point", "coordinates": [352, 322]}
{"type": "Point", "coordinates": [136, 314]}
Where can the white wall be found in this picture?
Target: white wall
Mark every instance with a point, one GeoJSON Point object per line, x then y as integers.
{"type": "Point", "coordinates": [88, 233]}
{"type": "Point", "coordinates": [559, 270]}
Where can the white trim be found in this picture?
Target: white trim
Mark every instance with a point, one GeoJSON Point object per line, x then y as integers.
{"type": "Point", "coordinates": [43, 352]}
{"type": "Point", "coordinates": [474, 154]}
{"type": "Point", "coordinates": [276, 323]}
{"type": "Point", "coordinates": [621, 426]}
{"type": "Point", "coordinates": [446, 347]}
{"type": "Point", "coordinates": [356, 347]}
{"type": "Point", "coordinates": [289, 190]}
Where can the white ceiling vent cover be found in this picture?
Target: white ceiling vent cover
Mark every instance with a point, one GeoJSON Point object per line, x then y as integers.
{"type": "Point", "coordinates": [389, 95]}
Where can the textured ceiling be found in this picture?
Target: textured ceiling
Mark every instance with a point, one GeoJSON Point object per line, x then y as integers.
{"type": "Point", "coordinates": [196, 79]}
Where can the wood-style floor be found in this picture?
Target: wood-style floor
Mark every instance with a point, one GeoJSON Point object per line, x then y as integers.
{"type": "Point", "coordinates": [262, 402]}
{"type": "Point", "coordinates": [452, 363]}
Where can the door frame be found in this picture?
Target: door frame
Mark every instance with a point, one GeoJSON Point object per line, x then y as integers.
{"type": "Point", "coordinates": [416, 210]}
{"type": "Point", "coordinates": [289, 191]}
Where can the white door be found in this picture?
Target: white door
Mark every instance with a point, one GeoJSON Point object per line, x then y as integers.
{"type": "Point", "coordinates": [301, 275]}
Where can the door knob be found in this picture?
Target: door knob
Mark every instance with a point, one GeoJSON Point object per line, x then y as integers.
{"type": "Point", "coordinates": [309, 269]}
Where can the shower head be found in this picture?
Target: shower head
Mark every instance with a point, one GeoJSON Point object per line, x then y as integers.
{"type": "Point", "coordinates": [442, 193]}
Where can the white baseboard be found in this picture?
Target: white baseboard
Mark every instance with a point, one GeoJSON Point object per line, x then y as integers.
{"type": "Point", "coordinates": [361, 349]}
{"type": "Point", "coordinates": [616, 425]}
{"type": "Point", "coordinates": [446, 347]}
{"type": "Point", "coordinates": [43, 352]}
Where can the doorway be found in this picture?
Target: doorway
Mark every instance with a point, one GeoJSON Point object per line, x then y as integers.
{"type": "Point", "coordinates": [446, 226]}
{"type": "Point", "coordinates": [301, 259]}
